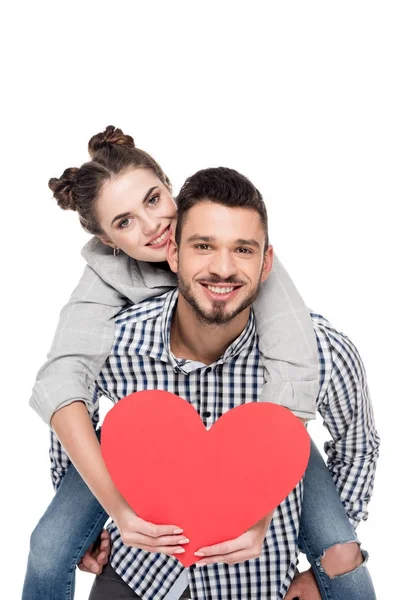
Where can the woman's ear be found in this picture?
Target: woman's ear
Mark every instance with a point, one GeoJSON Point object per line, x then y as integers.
{"type": "Point", "coordinates": [106, 241]}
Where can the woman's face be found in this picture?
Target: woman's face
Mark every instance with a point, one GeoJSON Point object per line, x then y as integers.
{"type": "Point", "coordinates": [136, 213]}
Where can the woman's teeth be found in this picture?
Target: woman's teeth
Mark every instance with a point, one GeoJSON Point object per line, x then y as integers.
{"type": "Point", "coordinates": [220, 290]}
{"type": "Point", "coordinates": [161, 238]}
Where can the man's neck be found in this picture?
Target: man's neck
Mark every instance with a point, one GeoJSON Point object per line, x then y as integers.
{"type": "Point", "coordinates": [193, 339]}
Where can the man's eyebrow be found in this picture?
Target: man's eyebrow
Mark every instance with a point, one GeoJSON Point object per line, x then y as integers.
{"type": "Point", "coordinates": [249, 242]}
{"type": "Point", "coordinates": [125, 214]}
{"type": "Point", "coordinates": [210, 238]}
{"type": "Point", "coordinates": [202, 238]}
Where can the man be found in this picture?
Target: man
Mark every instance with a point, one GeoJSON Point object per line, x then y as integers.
{"type": "Point", "coordinates": [200, 343]}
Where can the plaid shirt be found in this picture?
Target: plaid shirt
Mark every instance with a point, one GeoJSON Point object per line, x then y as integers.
{"type": "Point", "coordinates": [141, 359]}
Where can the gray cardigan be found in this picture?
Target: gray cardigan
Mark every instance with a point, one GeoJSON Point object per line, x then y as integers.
{"type": "Point", "coordinates": [85, 333]}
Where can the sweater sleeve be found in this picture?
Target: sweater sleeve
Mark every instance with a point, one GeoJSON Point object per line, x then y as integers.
{"type": "Point", "coordinates": [85, 331]}
{"type": "Point", "coordinates": [81, 344]}
{"type": "Point", "coordinates": [287, 344]}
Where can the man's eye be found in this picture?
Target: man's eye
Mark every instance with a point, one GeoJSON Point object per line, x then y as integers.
{"type": "Point", "coordinates": [153, 200]}
{"type": "Point", "coordinates": [244, 250]}
{"type": "Point", "coordinates": [202, 247]}
{"type": "Point", "coordinates": [124, 223]}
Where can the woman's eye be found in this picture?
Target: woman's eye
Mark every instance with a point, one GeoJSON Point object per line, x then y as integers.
{"type": "Point", "coordinates": [153, 200]}
{"type": "Point", "coordinates": [124, 223]}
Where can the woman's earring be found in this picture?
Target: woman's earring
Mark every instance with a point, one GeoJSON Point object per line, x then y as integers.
{"type": "Point", "coordinates": [116, 251]}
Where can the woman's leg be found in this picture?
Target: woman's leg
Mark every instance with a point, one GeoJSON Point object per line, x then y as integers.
{"type": "Point", "coordinates": [328, 538]}
{"type": "Point", "coordinates": [73, 521]}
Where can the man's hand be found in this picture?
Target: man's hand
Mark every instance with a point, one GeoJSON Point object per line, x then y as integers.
{"type": "Point", "coordinates": [304, 587]}
{"type": "Point", "coordinates": [244, 547]}
{"type": "Point", "coordinates": [96, 557]}
{"type": "Point", "coordinates": [135, 532]}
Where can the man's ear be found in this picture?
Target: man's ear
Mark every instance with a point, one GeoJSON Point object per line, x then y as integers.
{"type": "Point", "coordinates": [172, 254]}
{"type": "Point", "coordinates": [268, 262]}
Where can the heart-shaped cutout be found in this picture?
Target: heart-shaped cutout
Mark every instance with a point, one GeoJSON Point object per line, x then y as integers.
{"type": "Point", "coordinates": [215, 484]}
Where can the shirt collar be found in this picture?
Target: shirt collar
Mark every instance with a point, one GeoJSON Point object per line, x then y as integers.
{"type": "Point", "coordinates": [244, 342]}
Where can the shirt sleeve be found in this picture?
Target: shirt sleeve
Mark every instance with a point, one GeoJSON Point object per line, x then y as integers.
{"type": "Point", "coordinates": [347, 413]}
{"type": "Point", "coordinates": [82, 343]}
{"type": "Point", "coordinates": [287, 345]}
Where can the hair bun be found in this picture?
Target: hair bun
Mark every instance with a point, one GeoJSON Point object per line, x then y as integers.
{"type": "Point", "coordinates": [111, 136]}
{"type": "Point", "coordinates": [62, 188]}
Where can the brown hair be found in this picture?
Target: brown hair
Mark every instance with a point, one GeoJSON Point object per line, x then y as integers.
{"type": "Point", "coordinates": [222, 186]}
{"type": "Point", "coordinates": [112, 152]}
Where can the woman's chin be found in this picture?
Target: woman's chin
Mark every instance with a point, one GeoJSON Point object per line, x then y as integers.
{"type": "Point", "coordinates": [150, 255]}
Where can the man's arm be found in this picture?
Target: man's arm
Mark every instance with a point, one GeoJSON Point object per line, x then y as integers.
{"type": "Point", "coordinates": [347, 413]}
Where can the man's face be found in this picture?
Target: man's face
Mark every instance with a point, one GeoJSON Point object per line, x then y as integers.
{"type": "Point", "coordinates": [221, 260]}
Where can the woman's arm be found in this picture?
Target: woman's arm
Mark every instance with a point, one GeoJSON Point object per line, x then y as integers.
{"type": "Point", "coordinates": [287, 344]}
{"type": "Point", "coordinates": [82, 342]}
{"type": "Point", "coordinates": [75, 430]}
{"type": "Point", "coordinates": [85, 331]}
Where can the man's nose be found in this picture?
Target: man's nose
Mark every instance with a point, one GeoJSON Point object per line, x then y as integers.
{"type": "Point", "coordinates": [223, 264]}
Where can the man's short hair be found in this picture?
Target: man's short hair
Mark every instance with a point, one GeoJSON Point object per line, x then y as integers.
{"type": "Point", "coordinates": [222, 186]}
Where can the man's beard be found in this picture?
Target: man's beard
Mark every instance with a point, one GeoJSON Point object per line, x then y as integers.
{"type": "Point", "coordinates": [218, 314]}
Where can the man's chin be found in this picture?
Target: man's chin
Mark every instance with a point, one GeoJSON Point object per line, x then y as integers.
{"type": "Point", "coordinates": [216, 316]}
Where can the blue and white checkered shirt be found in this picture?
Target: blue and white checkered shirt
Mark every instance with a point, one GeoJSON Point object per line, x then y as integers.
{"type": "Point", "coordinates": [141, 359]}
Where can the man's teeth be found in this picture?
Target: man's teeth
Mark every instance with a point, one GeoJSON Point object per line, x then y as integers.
{"type": "Point", "coordinates": [159, 239]}
{"type": "Point", "coordinates": [220, 290]}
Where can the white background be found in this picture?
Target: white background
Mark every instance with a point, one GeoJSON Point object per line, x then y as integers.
{"type": "Point", "coordinates": [302, 97]}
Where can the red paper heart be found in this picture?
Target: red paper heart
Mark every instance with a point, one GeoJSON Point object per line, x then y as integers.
{"type": "Point", "coordinates": [214, 484]}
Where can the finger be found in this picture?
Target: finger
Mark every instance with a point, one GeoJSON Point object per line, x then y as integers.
{"type": "Point", "coordinates": [82, 567]}
{"type": "Point", "coordinates": [153, 530]}
{"type": "Point", "coordinates": [227, 547]}
{"type": "Point", "coordinates": [169, 550]}
{"type": "Point", "coordinates": [137, 539]}
{"type": "Point", "coordinates": [105, 544]}
{"type": "Point", "coordinates": [102, 558]}
{"type": "Point", "coordinates": [230, 559]}
{"type": "Point", "coordinates": [91, 563]}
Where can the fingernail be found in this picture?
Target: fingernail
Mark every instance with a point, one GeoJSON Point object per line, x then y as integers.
{"type": "Point", "coordinates": [178, 531]}
{"type": "Point", "coordinates": [184, 541]}
{"type": "Point", "coordinates": [179, 551]}
{"type": "Point", "coordinates": [199, 554]}
{"type": "Point", "coordinates": [94, 569]}
{"type": "Point", "coordinates": [201, 563]}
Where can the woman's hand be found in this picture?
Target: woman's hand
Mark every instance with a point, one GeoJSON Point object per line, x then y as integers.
{"type": "Point", "coordinates": [136, 532]}
{"type": "Point", "coordinates": [245, 547]}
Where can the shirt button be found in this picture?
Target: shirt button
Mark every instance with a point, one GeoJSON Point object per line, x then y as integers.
{"type": "Point", "coordinates": [207, 415]}
{"type": "Point", "coordinates": [208, 369]}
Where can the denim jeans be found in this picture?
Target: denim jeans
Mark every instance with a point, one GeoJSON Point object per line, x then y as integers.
{"type": "Point", "coordinates": [74, 519]}
{"type": "Point", "coordinates": [324, 524]}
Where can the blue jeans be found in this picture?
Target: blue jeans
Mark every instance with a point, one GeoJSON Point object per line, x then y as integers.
{"type": "Point", "coordinates": [74, 519]}
{"type": "Point", "coordinates": [71, 523]}
{"type": "Point", "coordinates": [324, 524]}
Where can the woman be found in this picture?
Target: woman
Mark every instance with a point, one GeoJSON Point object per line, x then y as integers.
{"type": "Point", "coordinates": [124, 199]}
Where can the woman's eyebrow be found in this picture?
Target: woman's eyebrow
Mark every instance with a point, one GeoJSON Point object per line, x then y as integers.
{"type": "Point", "coordinates": [151, 190]}
{"type": "Point", "coordinates": [125, 214]}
